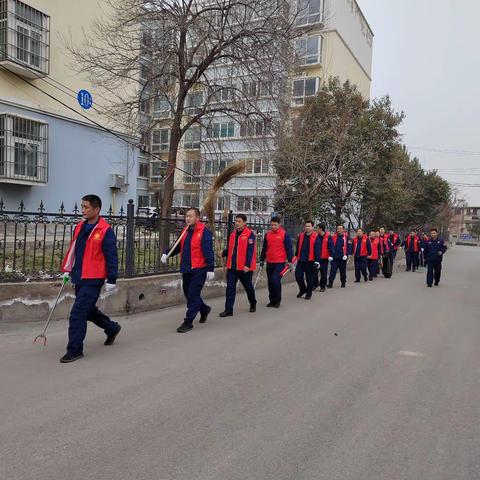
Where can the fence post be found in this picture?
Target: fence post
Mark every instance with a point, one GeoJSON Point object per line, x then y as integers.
{"type": "Point", "coordinates": [229, 225]}
{"type": "Point", "coordinates": [129, 242]}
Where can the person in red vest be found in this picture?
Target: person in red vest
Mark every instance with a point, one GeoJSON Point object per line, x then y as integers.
{"type": "Point", "coordinates": [362, 251]}
{"type": "Point", "coordinates": [323, 254]}
{"type": "Point", "coordinates": [341, 251]}
{"type": "Point", "coordinates": [412, 247]}
{"type": "Point", "coordinates": [305, 269]}
{"type": "Point", "coordinates": [372, 262]}
{"type": "Point", "coordinates": [277, 250]}
{"type": "Point", "coordinates": [90, 260]}
{"type": "Point", "coordinates": [395, 241]}
{"type": "Point", "coordinates": [197, 264]}
{"type": "Point", "coordinates": [386, 253]}
{"type": "Point", "coordinates": [241, 256]}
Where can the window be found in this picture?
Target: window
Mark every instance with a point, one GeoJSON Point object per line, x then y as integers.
{"type": "Point", "coordinates": [191, 171]}
{"type": "Point", "coordinates": [190, 200]}
{"type": "Point", "coordinates": [24, 35]}
{"type": "Point", "coordinates": [304, 87]}
{"type": "Point", "coordinates": [156, 172]}
{"type": "Point", "coordinates": [255, 128]}
{"type": "Point", "coordinates": [249, 89]}
{"type": "Point", "coordinates": [309, 11]}
{"type": "Point", "coordinates": [192, 138]}
{"type": "Point", "coordinates": [143, 201]}
{"type": "Point", "coordinates": [221, 130]}
{"type": "Point", "coordinates": [145, 106]}
{"type": "Point", "coordinates": [308, 50]}
{"type": "Point", "coordinates": [256, 166]}
{"type": "Point", "coordinates": [252, 204]}
{"type": "Point", "coordinates": [161, 107]}
{"type": "Point", "coordinates": [214, 167]}
{"type": "Point", "coordinates": [143, 170]}
{"type": "Point", "coordinates": [265, 89]}
{"type": "Point", "coordinates": [223, 203]}
{"type": "Point", "coordinates": [244, 204]}
{"type": "Point", "coordinates": [194, 103]}
{"type": "Point", "coordinates": [220, 94]}
{"type": "Point", "coordinates": [23, 149]}
{"type": "Point", "coordinates": [161, 140]}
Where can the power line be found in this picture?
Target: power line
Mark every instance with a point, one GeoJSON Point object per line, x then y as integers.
{"type": "Point", "coordinates": [446, 151]}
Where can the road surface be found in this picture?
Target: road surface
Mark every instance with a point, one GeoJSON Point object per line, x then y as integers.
{"type": "Point", "coordinates": [394, 395]}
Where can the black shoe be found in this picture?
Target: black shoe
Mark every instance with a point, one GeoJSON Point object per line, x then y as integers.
{"type": "Point", "coordinates": [226, 313]}
{"type": "Point", "coordinates": [370, 278]}
{"type": "Point", "coordinates": [253, 308]}
{"type": "Point", "coordinates": [69, 357]}
{"type": "Point", "coordinates": [429, 286]}
{"type": "Point", "coordinates": [322, 289]}
{"type": "Point", "coordinates": [203, 316]}
{"type": "Point", "coordinates": [111, 338]}
{"type": "Point", "coordinates": [343, 285]}
{"type": "Point", "coordinates": [413, 269]}
{"type": "Point", "coordinates": [184, 328]}
{"type": "Point", "coordinates": [436, 284]}
{"type": "Point", "coordinates": [356, 281]}
{"type": "Point", "coordinates": [330, 285]}
{"type": "Point", "coordinates": [277, 305]}
{"type": "Point", "coordinates": [407, 269]}
{"type": "Point", "coordinates": [270, 304]}
{"type": "Point", "coordinates": [300, 294]}
{"type": "Point", "coordinates": [365, 279]}
{"type": "Point", "coordinates": [308, 297]}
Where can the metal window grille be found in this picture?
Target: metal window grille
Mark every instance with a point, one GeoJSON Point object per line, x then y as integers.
{"type": "Point", "coordinates": [23, 150]}
{"type": "Point", "coordinates": [24, 36]}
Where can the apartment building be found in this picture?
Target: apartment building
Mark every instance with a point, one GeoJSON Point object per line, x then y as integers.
{"type": "Point", "coordinates": [50, 149]}
{"type": "Point", "coordinates": [334, 40]}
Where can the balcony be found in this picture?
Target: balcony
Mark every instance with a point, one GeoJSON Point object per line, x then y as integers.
{"type": "Point", "coordinates": [23, 151]}
{"type": "Point", "coordinates": [24, 39]}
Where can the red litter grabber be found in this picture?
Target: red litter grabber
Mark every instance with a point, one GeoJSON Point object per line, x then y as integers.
{"type": "Point", "coordinates": [289, 268]}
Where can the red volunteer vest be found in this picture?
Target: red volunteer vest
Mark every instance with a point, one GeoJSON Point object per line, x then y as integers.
{"type": "Point", "coordinates": [345, 242]}
{"type": "Point", "coordinates": [196, 254]}
{"type": "Point", "coordinates": [94, 265]}
{"type": "Point", "coordinates": [363, 246]}
{"type": "Point", "coordinates": [394, 241]}
{"type": "Point", "coordinates": [242, 246]}
{"type": "Point", "coordinates": [384, 244]}
{"type": "Point", "coordinates": [416, 243]}
{"type": "Point", "coordinates": [313, 237]}
{"type": "Point", "coordinates": [375, 241]}
{"type": "Point", "coordinates": [276, 252]}
{"type": "Point", "coordinates": [325, 253]}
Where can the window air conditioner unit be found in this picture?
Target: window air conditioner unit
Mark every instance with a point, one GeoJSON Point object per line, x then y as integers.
{"type": "Point", "coordinates": [117, 181]}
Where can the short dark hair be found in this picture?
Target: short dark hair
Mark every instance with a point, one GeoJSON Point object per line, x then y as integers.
{"type": "Point", "coordinates": [309, 221]}
{"type": "Point", "coordinates": [195, 209]}
{"type": "Point", "coordinates": [94, 200]}
{"type": "Point", "coordinates": [359, 228]}
{"type": "Point", "coordinates": [242, 216]}
{"type": "Point", "coordinates": [322, 226]}
{"type": "Point", "coordinates": [341, 225]}
{"type": "Point", "coordinates": [276, 219]}
{"type": "Point", "coordinates": [434, 230]}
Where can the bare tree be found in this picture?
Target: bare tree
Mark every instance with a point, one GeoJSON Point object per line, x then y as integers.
{"type": "Point", "coordinates": [192, 61]}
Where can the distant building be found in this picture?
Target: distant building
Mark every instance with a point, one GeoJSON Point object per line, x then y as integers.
{"type": "Point", "coordinates": [463, 218]}
{"type": "Point", "coordinates": [48, 151]}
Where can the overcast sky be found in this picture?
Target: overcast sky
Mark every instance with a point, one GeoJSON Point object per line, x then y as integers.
{"type": "Point", "coordinates": [426, 57]}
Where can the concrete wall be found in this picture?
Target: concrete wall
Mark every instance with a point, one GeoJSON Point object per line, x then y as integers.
{"type": "Point", "coordinates": [30, 302]}
{"type": "Point", "coordinates": [80, 161]}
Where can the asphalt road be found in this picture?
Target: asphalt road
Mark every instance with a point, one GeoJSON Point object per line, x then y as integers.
{"type": "Point", "coordinates": [272, 395]}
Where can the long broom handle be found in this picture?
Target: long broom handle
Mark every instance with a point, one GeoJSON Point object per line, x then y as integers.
{"type": "Point", "coordinates": [179, 239]}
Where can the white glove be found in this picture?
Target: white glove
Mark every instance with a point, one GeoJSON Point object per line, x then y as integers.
{"type": "Point", "coordinates": [66, 277]}
{"type": "Point", "coordinates": [344, 257]}
{"type": "Point", "coordinates": [423, 250]}
{"type": "Point", "coordinates": [109, 287]}
{"type": "Point", "coordinates": [330, 259]}
{"type": "Point", "coordinates": [210, 275]}
{"type": "Point", "coordinates": [440, 253]}
{"type": "Point", "coordinates": [164, 258]}
{"type": "Point", "coordinates": [317, 265]}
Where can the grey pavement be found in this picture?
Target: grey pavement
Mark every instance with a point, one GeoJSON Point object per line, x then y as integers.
{"type": "Point", "coordinates": [272, 395]}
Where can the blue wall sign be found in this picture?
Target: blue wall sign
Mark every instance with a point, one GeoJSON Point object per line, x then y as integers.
{"type": "Point", "coordinates": [85, 99]}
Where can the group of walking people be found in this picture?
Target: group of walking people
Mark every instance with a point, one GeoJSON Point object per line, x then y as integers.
{"type": "Point", "coordinates": [319, 256]}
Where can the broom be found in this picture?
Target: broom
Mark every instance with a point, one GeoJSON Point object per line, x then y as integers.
{"type": "Point", "coordinates": [209, 204]}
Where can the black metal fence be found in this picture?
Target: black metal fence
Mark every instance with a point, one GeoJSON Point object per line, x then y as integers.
{"type": "Point", "coordinates": [33, 244]}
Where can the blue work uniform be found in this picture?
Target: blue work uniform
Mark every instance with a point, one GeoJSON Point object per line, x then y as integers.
{"type": "Point", "coordinates": [338, 263]}
{"type": "Point", "coordinates": [434, 250]}
{"type": "Point", "coordinates": [193, 279]}
{"type": "Point", "coordinates": [87, 291]}
{"type": "Point", "coordinates": [323, 271]}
